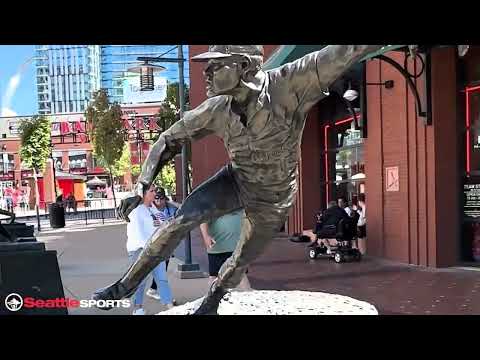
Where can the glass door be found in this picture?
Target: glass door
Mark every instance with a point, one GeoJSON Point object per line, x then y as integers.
{"type": "Point", "coordinates": [470, 246]}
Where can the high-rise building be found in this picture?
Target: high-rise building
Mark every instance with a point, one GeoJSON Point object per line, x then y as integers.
{"type": "Point", "coordinates": [67, 75]}
{"type": "Point", "coordinates": [116, 59]}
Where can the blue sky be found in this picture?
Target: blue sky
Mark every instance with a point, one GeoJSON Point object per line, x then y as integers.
{"type": "Point", "coordinates": [21, 99]}
{"type": "Point", "coordinates": [18, 94]}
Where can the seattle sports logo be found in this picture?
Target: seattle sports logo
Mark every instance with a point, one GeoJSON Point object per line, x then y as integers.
{"type": "Point", "coordinates": [14, 302]}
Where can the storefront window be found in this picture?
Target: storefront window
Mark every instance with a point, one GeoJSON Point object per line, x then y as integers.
{"type": "Point", "coordinates": [344, 161]}
{"type": "Point", "coordinates": [470, 246]}
{"type": "Point", "coordinates": [57, 160]}
{"type": "Point", "coordinates": [77, 161]}
{"type": "Point", "coordinates": [7, 166]}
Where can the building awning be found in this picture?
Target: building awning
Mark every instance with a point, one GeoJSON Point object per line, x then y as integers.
{"type": "Point", "coordinates": [288, 53]}
{"type": "Point", "coordinates": [383, 50]}
{"type": "Point", "coordinates": [61, 175]}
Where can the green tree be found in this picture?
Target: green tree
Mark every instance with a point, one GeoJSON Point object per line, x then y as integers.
{"type": "Point", "coordinates": [123, 164]}
{"type": "Point", "coordinates": [35, 149]}
{"type": "Point", "coordinates": [135, 170]}
{"type": "Point", "coordinates": [166, 178]}
{"type": "Point", "coordinates": [168, 115]}
{"type": "Point", "coordinates": [106, 131]}
{"type": "Point", "coordinates": [172, 95]}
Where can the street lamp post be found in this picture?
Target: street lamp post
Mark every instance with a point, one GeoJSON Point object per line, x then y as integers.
{"type": "Point", "coordinates": [188, 270]}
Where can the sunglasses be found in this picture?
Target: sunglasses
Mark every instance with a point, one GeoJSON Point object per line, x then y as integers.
{"type": "Point", "coordinates": [160, 197]}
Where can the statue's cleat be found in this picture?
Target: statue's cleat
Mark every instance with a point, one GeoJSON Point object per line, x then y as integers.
{"type": "Point", "coordinates": [210, 304]}
{"type": "Point", "coordinates": [116, 291]}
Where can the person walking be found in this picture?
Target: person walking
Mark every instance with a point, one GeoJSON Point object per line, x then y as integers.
{"type": "Point", "coordinates": [166, 211]}
{"type": "Point", "coordinates": [220, 237]}
{"type": "Point", "coordinates": [143, 223]}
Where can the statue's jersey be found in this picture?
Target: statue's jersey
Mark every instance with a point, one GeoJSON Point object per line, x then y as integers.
{"type": "Point", "coordinates": [264, 149]}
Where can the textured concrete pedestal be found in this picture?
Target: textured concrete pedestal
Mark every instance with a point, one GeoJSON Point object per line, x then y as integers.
{"type": "Point", "coordinates": [263, 302]}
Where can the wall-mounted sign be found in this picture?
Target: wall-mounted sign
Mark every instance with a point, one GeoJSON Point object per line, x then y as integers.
{"type": "Point", "coordinates": [471, 200]}
{"type": "Point", "coordinates": [133, 95]}
{"type": "Point", "coordinates": [392, 181]}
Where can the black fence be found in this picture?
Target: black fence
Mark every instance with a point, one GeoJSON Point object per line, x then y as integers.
{"type": "Point", "coordinates": [86, 210]}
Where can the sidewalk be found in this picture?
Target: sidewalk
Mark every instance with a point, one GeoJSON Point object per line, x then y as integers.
{"type": "Point", "coordinates": [91, 257]}
{"type": "Point", "coordinates": [393, 288]}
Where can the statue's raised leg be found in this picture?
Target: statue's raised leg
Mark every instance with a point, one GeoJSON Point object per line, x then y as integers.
{"type": "Point", "coordinates": [259, 227]}
{"type": "Point", "coordinates": [214, 198]}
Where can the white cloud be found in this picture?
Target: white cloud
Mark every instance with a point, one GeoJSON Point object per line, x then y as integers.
{"type": "Point", "coordinates": [8, 112]}
{"type": "Point", "coordinates": [11, 89]}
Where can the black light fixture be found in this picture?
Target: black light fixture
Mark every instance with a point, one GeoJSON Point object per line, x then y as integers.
{"type": "Point", "coordinates": [349, 96]}
{"type": "Point", "coordinates": [146, 71]}
{"type": "Point", "coordinates": [389, 84]}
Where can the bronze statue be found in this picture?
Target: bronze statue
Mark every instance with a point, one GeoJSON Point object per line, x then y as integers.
{"type": "Point", "coordinates": [260, 115]}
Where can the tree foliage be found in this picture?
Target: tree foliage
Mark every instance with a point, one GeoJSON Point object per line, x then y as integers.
{"type": "Point", "coordinates": [169, 112]}
{"type": "Point", "coordinates": [35, 139]}
{"type": "Point", "coordinates": [123, 164]}
{"type": "Point", "coordinates": [135, 170]}
{"type": "Point", "coordinates": [166, 178]}
{"type": "Point", "coordinates": [168, 115]}
{"type": "Point", "coordinates": [105, 129]}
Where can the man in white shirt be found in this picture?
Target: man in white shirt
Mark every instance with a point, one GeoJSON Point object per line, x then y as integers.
{"type": "Point", "coordinates": [143, 222]}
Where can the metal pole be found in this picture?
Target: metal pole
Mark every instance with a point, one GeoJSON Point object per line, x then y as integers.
{"type": "Point", "coordinates": [54, 170]}
{"type": "Point", "coordinates": [181, 101]}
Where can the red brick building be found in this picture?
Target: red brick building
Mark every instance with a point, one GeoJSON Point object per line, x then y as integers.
{"type": "Point", "coordinates": [72, 151]}
{"type": "Point", "coordinates": [419, 171]}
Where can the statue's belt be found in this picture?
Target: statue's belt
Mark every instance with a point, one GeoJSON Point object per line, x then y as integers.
{"type": "Point", "coordinates": [262, 156]}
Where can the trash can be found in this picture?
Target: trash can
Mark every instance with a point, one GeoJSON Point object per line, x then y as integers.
{"type": "Point", "coordinates": [57, 215]}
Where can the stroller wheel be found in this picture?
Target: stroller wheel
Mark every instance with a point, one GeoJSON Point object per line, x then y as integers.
{"type": "Point", "coordinates": [312, 254]}
{"type": "Point", "coordinates": [338, 257]}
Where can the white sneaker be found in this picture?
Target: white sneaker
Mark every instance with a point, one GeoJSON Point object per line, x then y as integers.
{"type": "Point", "coordinates": [139, 311]}
{"type": "Point", "coordinates": [153, 294]}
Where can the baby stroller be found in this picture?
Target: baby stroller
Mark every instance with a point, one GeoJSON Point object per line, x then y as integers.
{"type": "Point", "coordinates": [346, 232]}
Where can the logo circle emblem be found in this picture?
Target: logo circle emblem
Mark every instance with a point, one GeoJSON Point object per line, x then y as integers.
{"type": "Point", "coordinates": [14, 302]}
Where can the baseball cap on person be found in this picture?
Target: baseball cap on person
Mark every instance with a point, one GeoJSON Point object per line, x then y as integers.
{"type": "Point", "coordinates": [225, 51]}
{"type": "Point", "coordinates": [160, 193]}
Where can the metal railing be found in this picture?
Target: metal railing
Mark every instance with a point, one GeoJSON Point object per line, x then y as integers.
{"type": "Point", "coordinates": [85, 210]}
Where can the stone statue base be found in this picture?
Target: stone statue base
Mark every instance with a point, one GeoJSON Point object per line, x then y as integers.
{"type": "Point", "coordinates": [270, 302]}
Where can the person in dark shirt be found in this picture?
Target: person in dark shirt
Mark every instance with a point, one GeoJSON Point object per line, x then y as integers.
{"type": "Point", "coordinates": [326, 227]}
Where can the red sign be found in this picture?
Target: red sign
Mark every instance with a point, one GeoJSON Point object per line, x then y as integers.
{"type": "Point", "coordinates": [7, 176]}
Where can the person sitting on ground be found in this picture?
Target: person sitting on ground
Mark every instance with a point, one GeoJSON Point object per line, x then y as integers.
{"type": "Point", "coordinates": [326, 229]}
{"type": "Point", "coordinates": [166, 210]}
{"type": "Point", "coordinates": [220, 237]}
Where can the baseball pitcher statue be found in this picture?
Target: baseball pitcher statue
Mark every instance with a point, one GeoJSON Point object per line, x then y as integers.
{"type": "Point", "coordinates": [260, 115]}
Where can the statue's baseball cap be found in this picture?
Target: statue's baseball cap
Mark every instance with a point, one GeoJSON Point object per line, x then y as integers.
{"type": "Point", "coordinates": [225, 51]}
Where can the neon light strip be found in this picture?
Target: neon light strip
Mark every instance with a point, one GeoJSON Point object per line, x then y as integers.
{"type": "Point", "coordinates": [472, 88]}
{"type": "Point", "coordinates": [467, 120]}
{"type": "Point", "coordinates": [344, 121]}
{"type": "Point", "coordinates": [326, 162]}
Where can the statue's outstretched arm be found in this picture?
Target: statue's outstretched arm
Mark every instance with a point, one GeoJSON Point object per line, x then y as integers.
{"type": "Point", "coordinates": [204, 120]}
{"type": "Point", "coordinates": [310, 76]}
{"type": "Point", "coordinates": [196, 124]}
{"type": "Point", "coordinates": [334, 60]}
